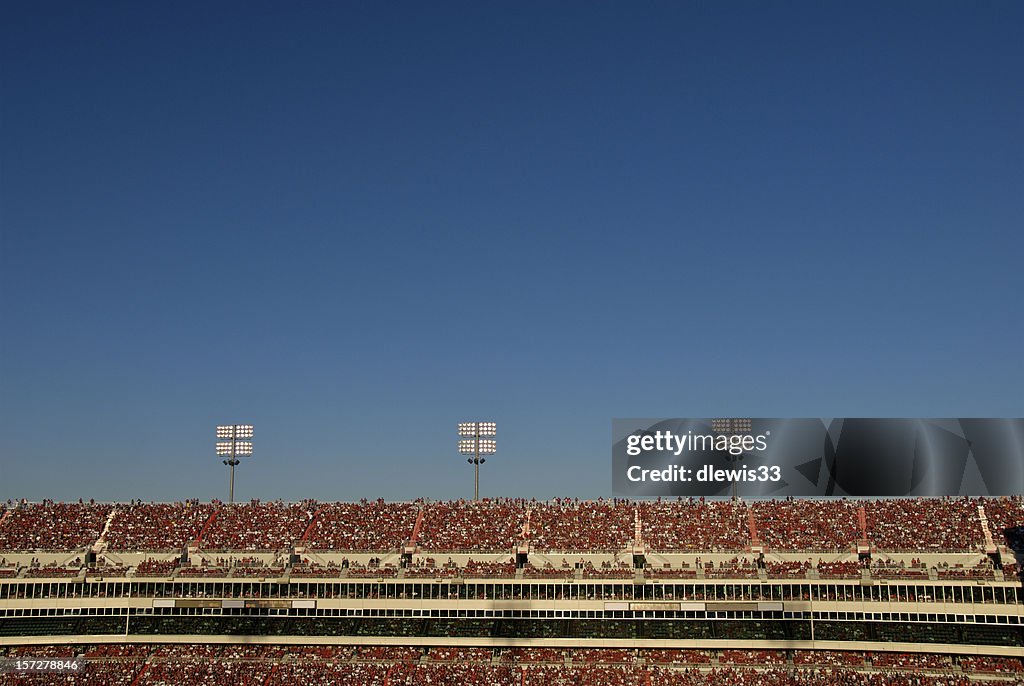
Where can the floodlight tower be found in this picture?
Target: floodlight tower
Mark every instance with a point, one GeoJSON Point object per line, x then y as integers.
{"type": "Point", "coordinates": [472, 443]}
{"type": "Point", "coordinates": [233, 448]}
{"type": "Point", "coordinates": [730, 428]}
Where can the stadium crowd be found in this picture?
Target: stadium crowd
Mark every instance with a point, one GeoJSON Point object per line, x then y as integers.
{"type": "Point", "coordinates": [466, 525]}
{"type": "Point", "coordinates": [275, 665]}
{"type": "Point", "coordinates": [372, 526]}
{"type": "Point", "coordinates": [258, 526]}
{"type": "Point", "coordinates": [498, 525]}
{"type": "Point", "coordinates": [157, 526]}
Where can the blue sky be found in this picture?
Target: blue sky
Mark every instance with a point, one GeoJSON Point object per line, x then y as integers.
{"type": "Point", "coordinates": [357, 224]}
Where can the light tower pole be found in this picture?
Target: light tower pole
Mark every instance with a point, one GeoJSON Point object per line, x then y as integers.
{"type": "Point", "coordinates": [472, 443]}
{"type": "Point", "coordinates": [233, 448]}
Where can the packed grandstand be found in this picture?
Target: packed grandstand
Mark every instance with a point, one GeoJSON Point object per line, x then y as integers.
{"type": "Point", "coordinates": [696, 592]}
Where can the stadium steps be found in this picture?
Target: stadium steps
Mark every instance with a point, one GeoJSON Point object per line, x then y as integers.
{"type": "Point", "coordinates": [752, 526]}
{"type": "Point", "coordinates": [138, 677]}
{"type": "Point", "coordinates": [986, 530]}
{"type": "Point", "coordinates": [420, 516]}
{"type": "Point", "coordinates": [206, 527]}
{"type": "Point", "coordinates": [312, 523]}
{"type": "Point", "coordinates": [270, 675]}
{"type": "Point", "coordinates": [101, 543]}
{"type": "Point", "coordinates": [862, 522]}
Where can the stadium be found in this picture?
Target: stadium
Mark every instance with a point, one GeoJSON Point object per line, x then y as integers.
{"type": "Point", "coordinates": [765, 241]}
{"type": "Point", "coordinates": [914, 591]}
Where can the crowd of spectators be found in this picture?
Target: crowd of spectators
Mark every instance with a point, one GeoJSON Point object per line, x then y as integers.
{"type": "Point", "coordinates": [582, 526]}
{"type": "Point", "coordinates": [454, 674]}
{"type": "Point", "coordinates": [910, 661]}
{"type": "Point", "coordinates": [787, 569]}
{"type": "Point", "coordinates": [667, 571]}
{"type": "Point", "coordinates": [329, 674]}
{"type": "Point", "coordinates": [117, 650]}
{"type": "Point", "coordinates": [924, 524]}
{"type": "Point", "coordinates": [307, 569]}
{"type": "Point", "coordinates": [151, 567]}
{"type": "Point", "coordinates": [200, 672]}
{"type": "Point", "coordinates": [991, 665]}
{"type": "Point", "coordinates": [548, 571]}
{"type": "Point", "coordinates": [593, 675]}
{"type": "Point", "coordinates": [276, 665]}
{"type": "Point", "coordinates": [53, 571]}
{"type": "Point", "coordinates": [752, 657]}
{"type": "Point", "coordinates": [7, 569]}
{"type": "Point", "coordinates": [157, 526]}
{"type": "Point", "coordinates": [429, 569]}
{"type": "Point", "coordinates": [364, 526]}
{"type": "Point", "coordinates": [887, 569]}
{"type": "Point", "coordinates": [850, 569]}
{"type": "Point", "coordinates": [220, 567]}
{"type": "Point", "coordinates": [494, 525]}
{"type": "Point", "coordinates": [981, 570]}
{"type": "Point", "coordinates": [677, 656]}
{"type": "Point", "coordinates": [806, 525]}
{"type": "Point", "coordinates": [498, 525]}
{"type": "Point", "coordinates": [694, 525]}
{"type": "Point", "coordinates": [387, 653]}
{"type": "Point", "coordinates": [604, 656]}
{"type": "Point", "coordinates": [258, 526]}
{"type": "Point", "coordinates": [1003, 513]}
{"type": "Point", "coordinates": [53, 526]}
{"type": "Point", "coordinates": [357, 570]}
{"type": "Point", "coordinates": [106, 569]}
{"type": "Point", "coordinates": [736, 568]}
{"type": "Point", "coordinates": [459, 654]}
{"type": "Point", "coordinates": [526, 655]}
{"type": "Point", "coordinates": [835, 658]}
{"type": "Point", "coordinates": [607, 570]}
{"type": "Point", "coordinates": [477, 569]}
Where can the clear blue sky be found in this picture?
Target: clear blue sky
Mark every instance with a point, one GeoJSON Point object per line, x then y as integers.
{"type": "Point", "coordinates": [356, 224]}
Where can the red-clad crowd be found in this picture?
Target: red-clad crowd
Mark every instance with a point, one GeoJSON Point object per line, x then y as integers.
{"type": "Point", "coordinates": [467, 525]}
{"type": "Point", "coordinates": [276, 665]}
{"type": "Point", "coordinates": [499, 525]}
{"type": "Point", "coordinates": [371, 526]}
{"type": "Point", "coordinates": [157, 526]}
{"type": "Point", "coordinates": [578, 526]}
{"type": "Point", "coordinates": [53, 526]}
{"type": "Point", "coordinates": [258, 526]}
{"type": "Point", "coordinates": [806, 525]}
{"type": "Point", "coordinates": [694, 525]}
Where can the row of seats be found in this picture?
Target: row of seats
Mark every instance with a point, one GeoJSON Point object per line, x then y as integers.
{"type": "Point", "coordinates": [685, 525]}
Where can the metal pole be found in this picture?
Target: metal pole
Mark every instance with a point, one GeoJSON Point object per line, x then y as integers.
{"type": "Point", "coordinates": [231, 487]}
{"type": "Point", "coordinates": [476, 468]}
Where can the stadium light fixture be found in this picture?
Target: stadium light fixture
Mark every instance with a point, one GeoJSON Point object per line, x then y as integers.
{"type": "Point", "coordinates": [730, 428]}
{"type": "Point", "coordinates": [471, 443]}
{"type": "Point", "coordinates": [233, 448]}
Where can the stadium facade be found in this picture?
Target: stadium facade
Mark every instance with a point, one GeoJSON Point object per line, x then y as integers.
{"type": "Point", "coordinates": [527, 591]}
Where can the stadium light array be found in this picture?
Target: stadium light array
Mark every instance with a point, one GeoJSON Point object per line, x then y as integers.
{"type": "Point", "coordinates": [233, 448]}
{"type": "Point", "coordinates": [471, 443]}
